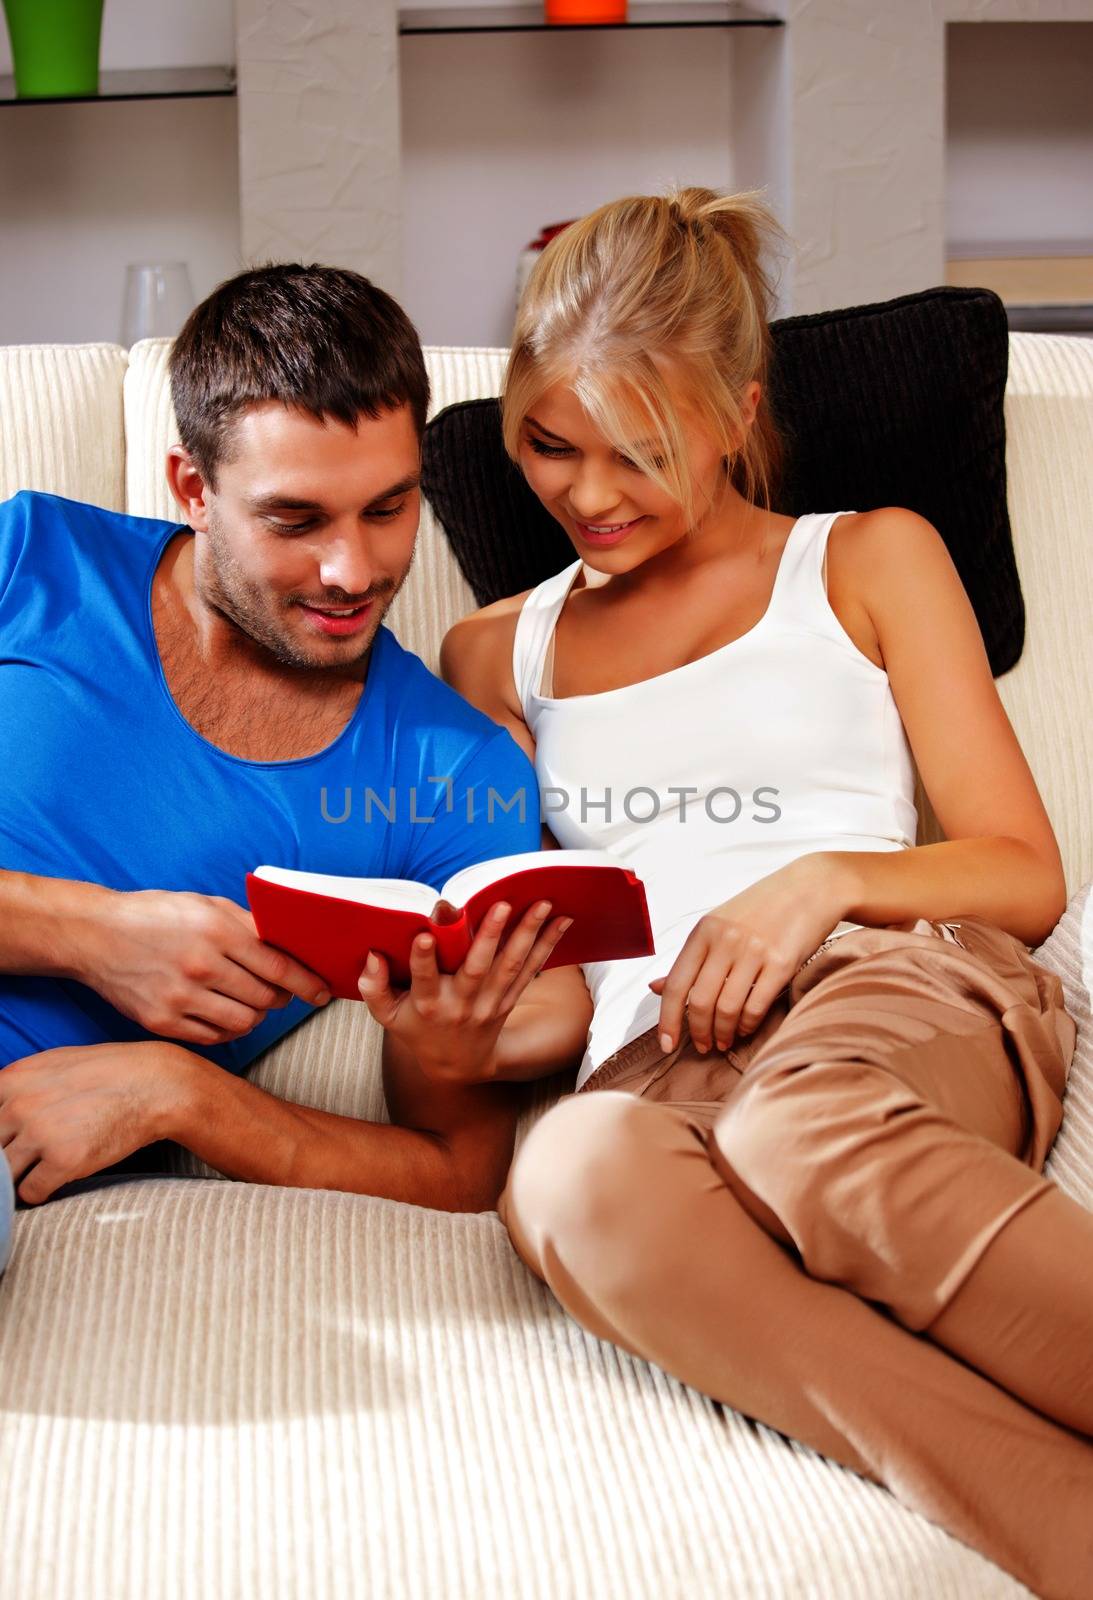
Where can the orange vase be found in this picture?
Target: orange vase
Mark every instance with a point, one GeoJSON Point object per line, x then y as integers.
{"type": "Point", "coordinates": [585, 11]}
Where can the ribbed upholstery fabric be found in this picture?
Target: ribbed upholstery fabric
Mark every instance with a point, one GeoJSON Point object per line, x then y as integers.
{"type": "Point", "coordinates": [1069, 952]}
{"type": "Point", "coordinates": [61, 426]}
{"type": "Point", "coordinates": [149, 428]}
{"type": "Point", "coordinates": [437, 594]}
{"type": "Point", "coordinates": [226, 1392]}
{"type": "Point", "coordinates": [463, 372]}
{"type": "Point", "coordinates": [1049, 693]}
{"type": "Point", "coordinates": [219, 1391]}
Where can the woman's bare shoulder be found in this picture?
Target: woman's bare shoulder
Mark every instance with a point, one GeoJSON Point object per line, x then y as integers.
{"type": "Point", "coordinates": [866, 558]}
{"type": "Point", "coordinates": [477, 638]}
{"type": "Point", "coordinates": [476, 657]}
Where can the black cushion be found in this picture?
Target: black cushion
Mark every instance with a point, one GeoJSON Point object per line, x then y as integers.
{"type": "Point", "coordinates": [891, 404]}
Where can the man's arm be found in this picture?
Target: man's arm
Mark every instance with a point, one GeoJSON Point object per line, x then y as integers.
{"type": "Point", "coordinates": [185, 966]}
{"type": "Point", "coordinates": [447, 1146]}
{"type": "Point", "coordinates": [70, 1112]}
{"type": "Point", "coordinates": [40, 922]}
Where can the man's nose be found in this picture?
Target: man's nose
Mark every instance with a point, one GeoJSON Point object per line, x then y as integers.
{"type": "Point", "coordinates": [346, 562]}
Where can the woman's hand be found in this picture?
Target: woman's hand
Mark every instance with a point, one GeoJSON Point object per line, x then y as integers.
{"type": "Point", "coordinates": [451, 1022]}
{"type": "Point", "coordinates": [741, 955]}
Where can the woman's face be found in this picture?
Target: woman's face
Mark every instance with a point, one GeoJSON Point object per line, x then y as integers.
{"type": "Point", "coordinates": [615, 516]}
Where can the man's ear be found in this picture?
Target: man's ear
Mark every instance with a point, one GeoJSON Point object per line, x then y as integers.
{"type": "Point", "coordinates": [188, 487]}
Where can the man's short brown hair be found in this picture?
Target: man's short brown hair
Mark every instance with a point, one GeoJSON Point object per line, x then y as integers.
{"type": "Point", "coordinates": [321, 339]}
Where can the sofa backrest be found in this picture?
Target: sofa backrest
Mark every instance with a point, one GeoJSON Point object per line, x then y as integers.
{"type": "Point", "coordinates": [92, 422]}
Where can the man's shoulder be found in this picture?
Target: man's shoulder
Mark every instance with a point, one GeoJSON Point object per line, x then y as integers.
{"type": "Point", "coordinates": [41, 511]}
{"type": "Point", "coordinates": [436, 708]}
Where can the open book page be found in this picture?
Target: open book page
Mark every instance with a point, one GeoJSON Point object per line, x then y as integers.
{"type": "Point", "coordinates": [395, 894]}
{"type": "Point", "coordinates": [465, 884]}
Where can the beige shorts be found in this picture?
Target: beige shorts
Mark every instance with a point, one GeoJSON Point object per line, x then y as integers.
{"type": "Point", "coordinates": [927, 983]}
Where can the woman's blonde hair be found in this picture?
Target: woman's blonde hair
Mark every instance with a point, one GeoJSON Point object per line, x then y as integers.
{"type": "Point", "coordinates": [646, 300]}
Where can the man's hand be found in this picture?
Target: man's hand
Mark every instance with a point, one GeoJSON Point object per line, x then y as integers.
{"type": "Point", "coordinates": [186, 966]}
{"type": "Point", "coordinates": [450, 1023]}
{"type": "Point", "coordinates": [67, 1113]}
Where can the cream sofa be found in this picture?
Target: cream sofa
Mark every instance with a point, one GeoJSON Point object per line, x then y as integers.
{"type": "Point", "coordinates": [244, 1393]}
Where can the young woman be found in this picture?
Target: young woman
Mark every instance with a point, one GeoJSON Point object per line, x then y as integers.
{"type": "Point", "coordinates": [802, 1168]}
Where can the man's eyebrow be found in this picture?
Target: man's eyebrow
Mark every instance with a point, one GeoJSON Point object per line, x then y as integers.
{"type": "Point", "coordinates": [403, 486]}
{"type": "Point", "coordinates": [286, 502]}
{"type": "Point", "coordinates": [282, 502]}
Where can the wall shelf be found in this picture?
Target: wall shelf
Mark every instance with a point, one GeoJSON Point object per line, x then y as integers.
{"type": "Point", "coordinates": [147, 83]}
{"type": "Point", "coordinates": [530, 18]}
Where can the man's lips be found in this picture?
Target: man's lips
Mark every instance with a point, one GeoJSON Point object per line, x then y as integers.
{"type": "Point", "coordinates": [603, 535]}
{"type": "Point", "coordinates": [337, 620]}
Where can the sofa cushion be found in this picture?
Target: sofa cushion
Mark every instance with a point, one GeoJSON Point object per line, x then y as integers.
{"type": "Point", "coordinates": [893, 404]}
{"type": "Point", "coordinates": [1069, 954]}
{"type": "Point", "coordinates": [236, 1391]}
{"type": "Point", "coordinates": [1049, 470]}
{"type": "Point", "coordinates": [62, 422]}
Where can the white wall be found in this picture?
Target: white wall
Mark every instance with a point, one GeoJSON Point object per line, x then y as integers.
{"type": "Point", "coordinates": [159, 33]}
{"type": "Point", "coordinates": [1020, 137]}
{"type": "Point", "coordinates": [84, 189]}
{"type": "Point", "coordinates": [502, 133]}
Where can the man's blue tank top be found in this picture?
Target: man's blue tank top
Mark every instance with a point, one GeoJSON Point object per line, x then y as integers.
{"type": "Point", "coordinates": [105, 781]}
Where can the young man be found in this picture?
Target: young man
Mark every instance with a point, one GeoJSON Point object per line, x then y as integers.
{"type": "Point", "coordinates": [181, 704]}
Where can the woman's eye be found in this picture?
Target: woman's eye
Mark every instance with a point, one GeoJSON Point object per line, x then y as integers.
{"type": "Point", "coordinates": [541, 448]}
{"type": "Point", "coordinates": [387, 513]}
{"type": "Point", "coordinates": [657, 461]}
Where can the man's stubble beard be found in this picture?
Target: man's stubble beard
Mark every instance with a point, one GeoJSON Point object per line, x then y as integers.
{"type": "Point", "coordinates": [232, 595]}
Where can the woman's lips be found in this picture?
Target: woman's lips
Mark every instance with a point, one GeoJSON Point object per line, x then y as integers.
{"type": "Point", "coordinates": [604, 540]}
{"type": "Point", "coordinates": [339, 625]}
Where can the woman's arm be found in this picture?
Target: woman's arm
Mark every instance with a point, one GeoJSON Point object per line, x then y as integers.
{"type": "Point", "coordinates": [1000, 860]}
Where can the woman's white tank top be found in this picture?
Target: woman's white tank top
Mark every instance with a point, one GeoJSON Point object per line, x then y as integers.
{"type": "Point", "coordinates": [709, 777]}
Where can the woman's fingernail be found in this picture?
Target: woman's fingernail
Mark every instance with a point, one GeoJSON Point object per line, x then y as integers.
{"type": "Point", "coordinates": [323, 997]}
{"type": "Point", "coordinates": [567, 922]}
{"type": "Point", "coordinates": [666, 1042]}
{"type": "Point", "coordinates": [373, 962]}
{"type": "Point", "coordinates": [542, 908]}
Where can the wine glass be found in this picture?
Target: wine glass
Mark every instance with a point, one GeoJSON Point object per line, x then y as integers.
{"type": "Point", "coordinates": [158, 298]}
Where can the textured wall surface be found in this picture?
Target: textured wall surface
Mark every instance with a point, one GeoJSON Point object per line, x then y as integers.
{"type": "Point", "coordinates": [319, 133]}
{"type": "Point", "coordinates": [852, 132]}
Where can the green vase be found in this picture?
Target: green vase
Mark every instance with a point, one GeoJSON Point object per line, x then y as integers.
{"type": "Point", "coordinates": [55, 46]}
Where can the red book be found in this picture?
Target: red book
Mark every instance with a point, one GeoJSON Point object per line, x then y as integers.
{"type": "Point", "coordinates": [331, 923]}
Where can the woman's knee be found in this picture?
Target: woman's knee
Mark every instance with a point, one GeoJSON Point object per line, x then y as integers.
{"type": "Point", "coordinates": [576, 1163]}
